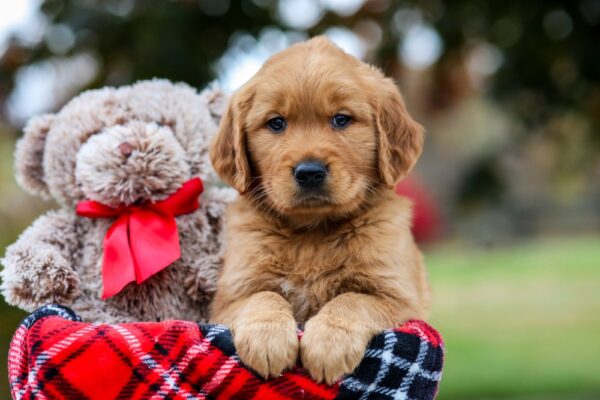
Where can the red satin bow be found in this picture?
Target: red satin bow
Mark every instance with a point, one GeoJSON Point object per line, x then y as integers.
{"type": "Point", "coordinates": [144, 239]}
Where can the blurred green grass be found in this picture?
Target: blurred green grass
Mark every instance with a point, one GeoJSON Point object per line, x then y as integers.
{"type": "Point", "coordinates": [9, 319]}
{"type": "Point", "coordinates": [519, 322]}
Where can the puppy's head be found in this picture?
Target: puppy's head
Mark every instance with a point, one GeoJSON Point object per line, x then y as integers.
{"type": "Point", "coordinates": [316, 131]}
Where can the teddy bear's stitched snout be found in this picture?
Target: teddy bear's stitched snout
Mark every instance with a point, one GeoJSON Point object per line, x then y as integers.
{"type": "Point", "coordinates": [132, 163]}
{"type": "Point", "coordinates": [126, 149]}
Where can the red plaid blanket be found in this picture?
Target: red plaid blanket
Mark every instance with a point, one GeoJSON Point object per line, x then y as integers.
{"type": "Point", "coordinates": [55, 356]}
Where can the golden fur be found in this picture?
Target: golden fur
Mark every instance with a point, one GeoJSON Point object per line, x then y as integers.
{"type": "Point", "coordinates": [344, 263]}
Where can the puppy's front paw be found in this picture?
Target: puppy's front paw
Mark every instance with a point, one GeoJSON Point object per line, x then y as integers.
{"type": "Point", "coordinates": [267, 344]}
{"type": "Point", "coordinates": [329, 351]}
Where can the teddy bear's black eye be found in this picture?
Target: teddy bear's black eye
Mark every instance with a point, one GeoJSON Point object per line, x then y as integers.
{"type": "Point", "coordinates": [277, 124]}
{"type": "Point", "coordinates": [340, 121]}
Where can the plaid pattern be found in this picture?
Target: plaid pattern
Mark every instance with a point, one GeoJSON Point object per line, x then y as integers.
{"type": "Point", "coordinates": [53, 355]}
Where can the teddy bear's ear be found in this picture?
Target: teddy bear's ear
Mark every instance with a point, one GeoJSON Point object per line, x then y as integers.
{"type": "Point", "coordinates": [216, 101]}
{"type": "Point", "coordinates": [29, 155]}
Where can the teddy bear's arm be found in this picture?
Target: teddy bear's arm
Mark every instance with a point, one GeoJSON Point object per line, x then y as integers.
{"type": "Point", "coordinates": [201, 285]}
{"type": "Point", "coordinates": [208, 251]}
{"type": "Point", "coordinates": [38, 266]}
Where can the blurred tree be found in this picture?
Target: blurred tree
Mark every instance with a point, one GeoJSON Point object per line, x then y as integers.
{"type": "Point", "coordinates": [550, 57]}
{"type": "Point", "coordinates": [546, 50]}
{"type": "Point", "coordinates": [539, 60]}
{"type": "Point", "coordinates": [136, 39]}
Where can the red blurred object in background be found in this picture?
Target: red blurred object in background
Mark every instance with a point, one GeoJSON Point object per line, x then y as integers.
{"type": "Point", "coordinates": [427, 221]}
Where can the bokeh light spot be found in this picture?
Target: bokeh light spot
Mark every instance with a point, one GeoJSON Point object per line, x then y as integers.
{"type": "Point", "coordinates": [558, 24]}
{"type": "Point", "coordinates": [421, 47]}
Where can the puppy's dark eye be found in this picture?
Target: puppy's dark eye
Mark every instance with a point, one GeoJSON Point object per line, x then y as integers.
{"type": "Point", "coordinates": [277, 124]}
{"type": "Point", "coordinates": [340, 121]}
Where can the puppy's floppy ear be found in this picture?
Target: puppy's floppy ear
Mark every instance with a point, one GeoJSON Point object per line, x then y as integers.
{"type": "Point", "coordinates": [29, 155]}
{"type": "Point", "coordinates": [228, 149]}
{"type": "Point", "coordinates": [400, 137]}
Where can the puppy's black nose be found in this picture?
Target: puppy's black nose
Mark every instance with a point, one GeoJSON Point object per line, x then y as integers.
{"type": "Point", "coordinates": [310, 174]}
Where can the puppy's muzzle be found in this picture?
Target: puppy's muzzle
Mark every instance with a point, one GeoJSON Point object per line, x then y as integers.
{"type": "Point", "coordinates": [310, 174]}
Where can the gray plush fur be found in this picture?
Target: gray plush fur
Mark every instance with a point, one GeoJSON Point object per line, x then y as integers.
{"type": "Point", "coordinates": [74, 155]}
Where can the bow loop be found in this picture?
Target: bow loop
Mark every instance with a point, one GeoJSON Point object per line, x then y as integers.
{"type": "Point", "coordinates": [183, 201]}
{"type": "Point", "coordinates": [144, 238]}
{"type": "Point", "coordinates": [93, 209]}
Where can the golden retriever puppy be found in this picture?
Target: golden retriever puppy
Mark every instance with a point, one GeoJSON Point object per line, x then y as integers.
{"type": "Point", "coordinates": [315, 143]}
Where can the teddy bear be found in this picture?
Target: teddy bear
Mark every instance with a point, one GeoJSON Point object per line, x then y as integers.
{"type": "Point", "coordinates": [131, 240]}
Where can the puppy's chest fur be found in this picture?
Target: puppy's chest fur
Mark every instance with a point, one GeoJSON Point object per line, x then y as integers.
{"type": "Point", "coordinates": [311, 269]}
{"type": "Point", "coordinates": [371, 254]}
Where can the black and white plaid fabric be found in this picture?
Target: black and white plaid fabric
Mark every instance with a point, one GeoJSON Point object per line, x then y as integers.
{"type": "Point", "coordinates": [405, 364]}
